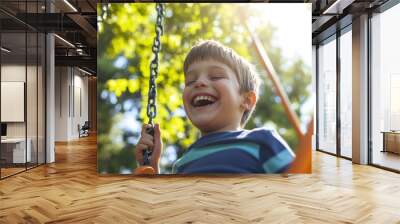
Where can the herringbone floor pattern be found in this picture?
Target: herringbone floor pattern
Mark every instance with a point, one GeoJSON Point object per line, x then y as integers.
{"type": "Point", "coordinates": [70, 191]}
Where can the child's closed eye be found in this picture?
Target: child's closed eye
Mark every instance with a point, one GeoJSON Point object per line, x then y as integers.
{"type": "Point", "coordinates": [217, 77]}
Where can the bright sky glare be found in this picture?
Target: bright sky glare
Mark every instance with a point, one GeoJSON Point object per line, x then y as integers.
{"type": "Point", "coordinates": [293, 24]}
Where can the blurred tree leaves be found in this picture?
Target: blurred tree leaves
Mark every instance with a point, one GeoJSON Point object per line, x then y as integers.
{"type": "Point", "coordinates": [127, 34]}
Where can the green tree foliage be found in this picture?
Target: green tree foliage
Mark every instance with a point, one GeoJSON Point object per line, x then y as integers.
{"type": "Point", "coordinates": [126, 32]}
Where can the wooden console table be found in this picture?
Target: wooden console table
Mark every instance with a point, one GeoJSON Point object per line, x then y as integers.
{"type": "Point", "coordinates": [391, 141]}
{"type": "Point", "coordinates": [13, 150]}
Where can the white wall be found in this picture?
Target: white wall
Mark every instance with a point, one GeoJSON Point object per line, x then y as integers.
{"type": "Point", "coordinates": [61, 103]}
{"type": "Point", "coordinates": [33, 126]}
{"type": "Point", "coordinates": [80, 110]}
{"type": "Point", "coordinates": [12, 101]}
{"type": "Point", "coordinates": [71, 94]}
{"type": "Point", "coordinates": [13, 73]}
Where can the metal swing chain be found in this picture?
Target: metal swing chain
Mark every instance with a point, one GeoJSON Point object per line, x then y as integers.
{"type": "Point", "coordinates": [151, 103]}
{"type": "Point", "coordinates": [105, 10]}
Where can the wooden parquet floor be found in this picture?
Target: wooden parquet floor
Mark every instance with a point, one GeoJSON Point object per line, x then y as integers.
{"type": "Point", "coordinates": [10, 171]}
{"type": "Point", "coordinates": [70, 191]}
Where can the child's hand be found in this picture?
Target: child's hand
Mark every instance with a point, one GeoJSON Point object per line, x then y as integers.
{"type": "Point", "coordinates": [151, 143]}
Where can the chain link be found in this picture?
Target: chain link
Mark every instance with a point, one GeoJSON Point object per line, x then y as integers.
{"type": "Point", "coordinates": [151, 104]}
{"type": "Point", "coordinates": [105, 10]}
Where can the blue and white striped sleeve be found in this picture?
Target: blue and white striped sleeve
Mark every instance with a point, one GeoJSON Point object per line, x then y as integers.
{"type": "Point", "coordinates": [275, 154]}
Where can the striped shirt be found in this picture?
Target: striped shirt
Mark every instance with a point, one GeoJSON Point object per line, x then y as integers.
{"type": "Point", "coordinates": [259, 150]}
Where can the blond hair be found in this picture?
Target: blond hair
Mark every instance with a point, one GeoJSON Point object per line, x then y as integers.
{"type": "Point", "coordinates": [245, 73]}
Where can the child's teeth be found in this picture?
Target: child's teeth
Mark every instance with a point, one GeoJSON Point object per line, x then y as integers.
{"type": "Point", "coordinates": [204, 98]}
{"type": "Point", "coordinates": [209, 98]}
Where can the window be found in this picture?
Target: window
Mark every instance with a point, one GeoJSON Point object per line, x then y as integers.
{"type": "Point", "coordinates": [385, 89]}
{"type": "Point", "coordinates": [327, 96]}
{"type": "Point", "coordinates": [346, 93]}
{"type": "Point", "coordinates": [22, 86]}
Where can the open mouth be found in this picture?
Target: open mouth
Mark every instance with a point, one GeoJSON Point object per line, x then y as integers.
{"type": "Point", "coordinates": [203, 100]}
